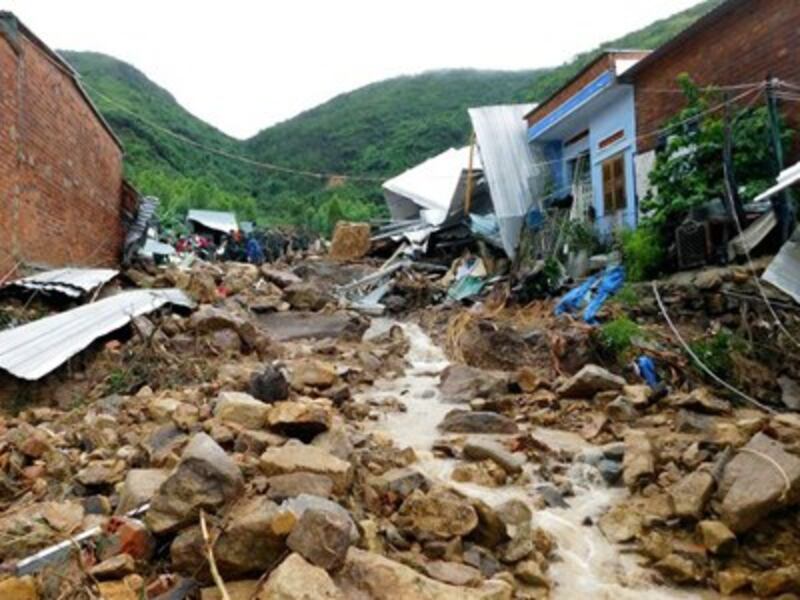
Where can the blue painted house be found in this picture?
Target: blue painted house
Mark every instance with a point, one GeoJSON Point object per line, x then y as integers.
{"type": "Point", "coordinates": [587, 131]}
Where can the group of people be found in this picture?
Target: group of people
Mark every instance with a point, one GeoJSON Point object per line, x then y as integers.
{"type": "Point", "coordinates": [233, 246]}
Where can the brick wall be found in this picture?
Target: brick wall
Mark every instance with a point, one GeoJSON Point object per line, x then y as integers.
{"type": "Point", "coordinates": [60, 169]}
{"type": "Point", "coordinates": [754, 39]}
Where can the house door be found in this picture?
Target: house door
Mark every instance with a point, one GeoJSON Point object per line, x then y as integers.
{"type": "Point", "coordinates": [615, 196]}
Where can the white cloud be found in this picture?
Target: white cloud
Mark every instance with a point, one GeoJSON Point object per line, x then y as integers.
{"type": "Point", "coordinates": [244, 65]}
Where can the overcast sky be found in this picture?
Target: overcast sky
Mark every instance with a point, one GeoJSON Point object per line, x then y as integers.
{"type": "Point", "coordinates": [242, 65]}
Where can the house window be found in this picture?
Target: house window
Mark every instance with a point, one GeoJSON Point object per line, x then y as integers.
{"type": "Point", "coordinates": [614, 196]}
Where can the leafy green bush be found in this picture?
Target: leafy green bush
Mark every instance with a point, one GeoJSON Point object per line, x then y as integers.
{"type": "Point", "coordinates": [642, 252]}
{"type": "Point", "coordinates": [617, 336]}
{"type": "Point", "coordinates": [715, 351]}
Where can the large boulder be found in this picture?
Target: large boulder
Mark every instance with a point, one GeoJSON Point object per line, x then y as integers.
{"type": "Point", "coordinates": [205, 479]}
{"type": "Point", "coordinates": [279, 277]}
{"type": "Point", "coordinates": [589, 381]}
{"type": "Point", "coordinates": [762, 478]}
{"type": "Point", "coordinates": [296, 579]}
{"type": "Point", "coordinates": [439, 514]}
{"type": "Point", "coordinates": [462, 384]}
{"type": "Point", "coordinates": [241, 409]}
{"type": "Point", "coordinates": [301, 458]}
{"type": "Point", "coordinates": [350, 241]}
{"type": "Point", "coordinates": [461, 421]}
{"type": "Point", "coordinates": [369, 575]}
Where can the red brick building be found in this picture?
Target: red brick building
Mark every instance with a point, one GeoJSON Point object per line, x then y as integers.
{"type": "Point", "coordinates": [739, 42]}
{"type": "Point", "coordinates": [61, 181]}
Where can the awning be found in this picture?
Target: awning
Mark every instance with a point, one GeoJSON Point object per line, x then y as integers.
{"type": "Point", "coordinates": [223, 222]}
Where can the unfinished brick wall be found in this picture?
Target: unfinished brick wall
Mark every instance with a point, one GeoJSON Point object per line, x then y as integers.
{"type": "Point", "coordinates": [60, 169]}
{"type": "Point", "coordinates": [749, 42]}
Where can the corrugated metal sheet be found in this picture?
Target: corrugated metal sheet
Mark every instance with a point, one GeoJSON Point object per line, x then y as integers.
{"type": "Point", "coordinates": [33, 350]}
{"type": "Point", "coordinates": [224, 222]}
{"type": "Point", "coordinates": [432, 186]}
{"type": "Point", "coordinates": [508, 164]}
{"type": "Point", "coordinates": [152, 247]}
{"type": "Point", "coordinates": [70, 282]}
{"type": "Point", "coordinates": [788, 177]}
{"type": "Point", "coordinates": [784, 271]}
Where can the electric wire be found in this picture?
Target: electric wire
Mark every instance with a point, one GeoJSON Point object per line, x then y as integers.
{"type": "Point", "coordinates": [699, 362]}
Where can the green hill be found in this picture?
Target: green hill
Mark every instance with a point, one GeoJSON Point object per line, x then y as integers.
{"type": "Point", "coordinates": [377, 130]}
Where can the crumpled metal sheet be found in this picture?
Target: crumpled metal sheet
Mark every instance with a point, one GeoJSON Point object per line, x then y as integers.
{"type": "Point", "coordinates": [223, 222]}
{"type": "Point", "coordinates": [784, 270]}
{"type": "Point", "coordinates": [509, 166]}
{"type": "Point", "coordinates": [70, 282]}
{"type": "Point", "coordinates": [33, 350]}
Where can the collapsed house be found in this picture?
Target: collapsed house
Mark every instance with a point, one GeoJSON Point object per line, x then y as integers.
{"type": "Point", "coordinates": [61, 176]}
{"type": "Point", "coordinates": [489, 186]}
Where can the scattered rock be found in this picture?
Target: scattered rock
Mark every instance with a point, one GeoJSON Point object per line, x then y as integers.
{"type": "Point", "coordinates": [621, 524]}
{"type": "Point", "coordinates": [321, 537]}
{"type": "Point", "coordinates": [115, 567]}
{"type": "Point", "coordinates": [139, 487]}
{"type": "Point", "coordinates": [312, 373]}
{"type": "Point", "coordinates": [763, 477]}
{"type": "Point", "coordinates": [589, 381]}
{"type": "Point", "coordinates": [270, 385]}
{"type": "Point", "coordinates": [732, 580]}
{"type": "Point", "coordinates": [368, 575]}
{"type": "Point", "coordinates": [691, 494]}
{"type": "Point", "coordinates": [716, 537]}
{"type": "Point", "coordinates": [237, 590]}
{"type": "Point", "coordinates": [460, 421]}
{"type": "Point", "coordinates": [19, 588]}
{"type": "Point", "coordinates": [454, 573]}
{"type": "Point", "coordinates": [483, 449]}
{"type": "Point", "coordinates": [639, 461]}
{"type": "Point", "coordinates": [529, 572]}
{"type": "Point", "coordinates": [241, 409]}
{"type": "Point", "coordinates": [306, 296]}
{"type": "Point", "coordinates": [301, 420]}
{"type": "Point", "coordinates": [279, 277]}
{"type": "Point", "coordinates": [462, 384]}
{"type": "Point", "coordinates": [301, 458]}
{"type": "Point", "coordinates": [440, 513]}
{"type": "Point", "coordinates": [678, 569]}
{"type": "Point", "coordinates": [785, 580]}
{"type": "Point", "coordinates": [282, 487]}
{"type": "Point", "coordinates": [401, 482]}
{"type": "Point", "coordinates": [296, 579]}
{"type": "Point", "coordinates": [206, 478]}
{"type": "Point", "coordinates": [638, 395]}
{"type": "Point", "coordinates": [299, 505]}
{"type": "Point", "coordinates": [790, 393]}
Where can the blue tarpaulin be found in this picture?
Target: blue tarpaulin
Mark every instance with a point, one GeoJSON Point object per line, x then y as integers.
{"type": "Point", "coordinates": [647, 370]}
{"type": "Point", "coordinates": [592, 294]}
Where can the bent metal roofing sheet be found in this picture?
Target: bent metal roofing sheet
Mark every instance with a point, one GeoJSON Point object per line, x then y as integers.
{"type": "Point", "coordinates": [70, 282]}
{"type": "Point", "coordinates": [214, 219]}
{"type": "Point", "coordinates": [33, 350]}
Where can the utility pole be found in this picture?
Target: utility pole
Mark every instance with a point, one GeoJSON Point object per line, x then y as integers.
{"type": "Point", "coordinates": [783, 203]}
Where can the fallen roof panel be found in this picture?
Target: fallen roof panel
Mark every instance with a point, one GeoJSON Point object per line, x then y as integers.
{"type": "Point", "coordinates": [33, 350]}
{"type": "Point", "coordinates": [508, 164]}
{"type": "Point", "coordinates": [784, 270]}
{"type": "Point", "coordinates": [787, 178]}
{"type": "Point", "coordinates": [70, 282]}
{"type": "Point", "coordinates": [224, 222]}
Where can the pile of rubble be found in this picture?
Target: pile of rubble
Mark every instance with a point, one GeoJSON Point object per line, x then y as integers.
{"type": "Point", "coordinates": [238, 452]}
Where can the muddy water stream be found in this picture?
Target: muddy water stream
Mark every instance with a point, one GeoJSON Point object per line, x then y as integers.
{"type": "Point", "coordinates": [589, 565]}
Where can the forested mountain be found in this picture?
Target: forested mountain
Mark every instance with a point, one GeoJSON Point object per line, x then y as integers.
{"type": "Point", "coordinates": [377, 130]}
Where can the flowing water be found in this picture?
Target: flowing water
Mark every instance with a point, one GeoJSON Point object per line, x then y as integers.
{"type": "Point", "coordinates": [589, 565]}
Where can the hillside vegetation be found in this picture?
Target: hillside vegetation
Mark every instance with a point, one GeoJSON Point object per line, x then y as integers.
{"type": "Point", "coordinates": [376, 131]}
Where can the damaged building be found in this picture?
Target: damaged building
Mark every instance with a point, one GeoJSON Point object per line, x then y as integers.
{"type": "Point", "coordinates": [62, 194]}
